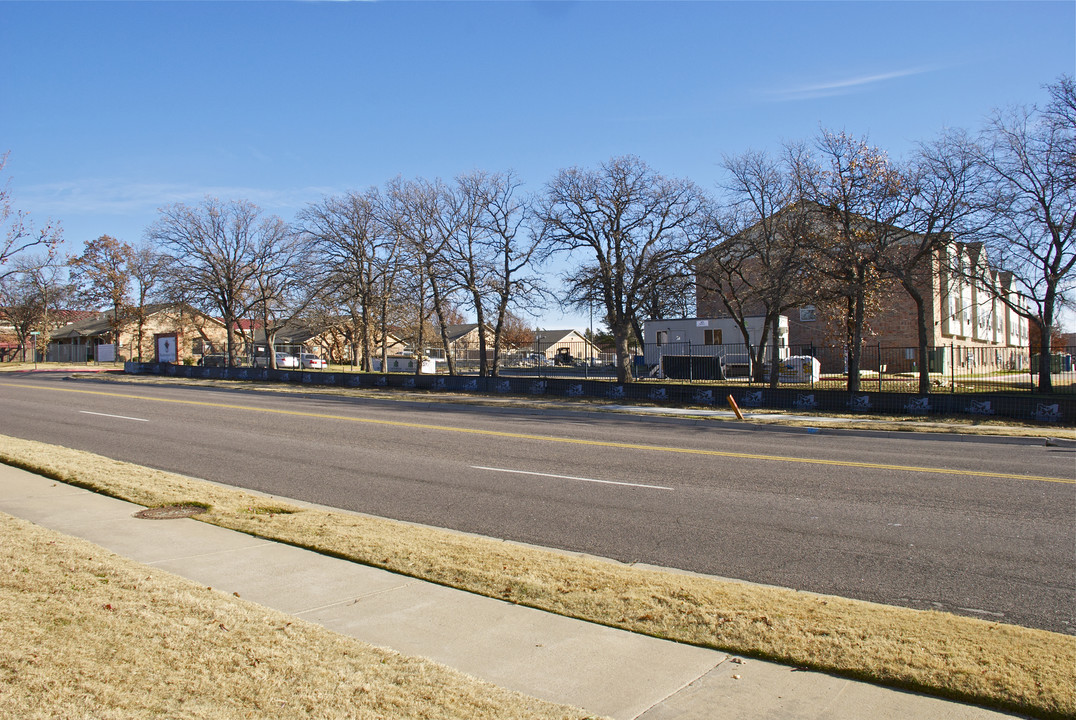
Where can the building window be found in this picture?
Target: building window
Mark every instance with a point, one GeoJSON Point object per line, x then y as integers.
{"type": "Point", "coordinates": [663, 337]}
{"type": "Point", "coordinates": [808, 314]}
{"type": "Point", "coordinates": [197, 346]}
{"type": "Point", "coordinates": [711, 337]}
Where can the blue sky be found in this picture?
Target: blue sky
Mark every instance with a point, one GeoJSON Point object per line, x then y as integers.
{"type": "Point", "coordinates": [111, 110]}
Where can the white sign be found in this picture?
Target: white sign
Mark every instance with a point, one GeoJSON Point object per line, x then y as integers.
{"type": "Point", "coordinates": [702, 323]}
{"type": "Point", "coordinates": [166, 349]}
{"type": "Point", "coordinates": [106, 353]}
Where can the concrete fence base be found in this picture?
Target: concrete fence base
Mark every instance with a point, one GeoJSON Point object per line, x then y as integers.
{"type": "Point", "coordinates": [1024, 406]}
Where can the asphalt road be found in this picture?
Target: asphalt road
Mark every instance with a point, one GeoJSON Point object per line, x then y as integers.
{"type": "Point", "coordinates": [981, 527]}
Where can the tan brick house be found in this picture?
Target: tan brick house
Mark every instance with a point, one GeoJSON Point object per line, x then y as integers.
{"type": "Point", "coordinates": [169, 333]}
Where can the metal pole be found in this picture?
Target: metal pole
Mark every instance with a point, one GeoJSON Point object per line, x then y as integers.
{"type": "Point", "coordinates": [590, 340]}
{"type": "Point", "coordinates": [952, 368]}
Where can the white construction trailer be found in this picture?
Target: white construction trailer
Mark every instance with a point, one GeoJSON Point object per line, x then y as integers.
{"type": "Point", "coordinates": [709, 337]}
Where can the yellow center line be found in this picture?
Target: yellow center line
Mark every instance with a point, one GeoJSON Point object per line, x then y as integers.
{"type": "Point", "coordinates": [564, 440]}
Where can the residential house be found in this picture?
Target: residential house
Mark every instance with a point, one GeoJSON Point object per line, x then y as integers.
{"type": "Point", "coordinates": [10, 347]}
{"type": "Point", "coordinates": [554, 344]}
{"type": "Point", "coordinates": [170, 333]}
{"type": "Point", "coordinates": [464, 341]}
{"type": "Point", "coordinates": [331, 341]}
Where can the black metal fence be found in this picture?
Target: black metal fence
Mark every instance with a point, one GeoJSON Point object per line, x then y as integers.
{"type": "Point", "coordinates": [952, 368]}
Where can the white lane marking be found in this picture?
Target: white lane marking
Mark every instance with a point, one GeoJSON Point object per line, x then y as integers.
{"type": "Point", "coordinates": [121, 417]}
{"type": "Point", "coordinates": [570, 477]}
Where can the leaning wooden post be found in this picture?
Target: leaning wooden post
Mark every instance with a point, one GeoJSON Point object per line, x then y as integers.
{"type": "Point", "coordinates": [735, 407]}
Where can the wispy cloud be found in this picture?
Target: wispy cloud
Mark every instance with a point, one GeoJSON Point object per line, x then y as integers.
{"type": "Point", "coordinates": [846, 86]}
{"type": "Point", "coordinates": [113, 197]}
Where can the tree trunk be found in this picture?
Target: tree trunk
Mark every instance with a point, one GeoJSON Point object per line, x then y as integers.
{"type": "Point", "coordinates": [621, 329]}
{"type": "Point", "coordinates": [438, 310]}
{"type": "Point", "coordinates": [855, 340]}
{"type": "Point", "coordinates": [367, 338]}
{"type": "Point", "coordinates": [758, 359]}
{"type": "Point", "coordinates": [922, 334]}
{"type": "Point", "coordinates": [270, 340]}
{"type": "Point", "coordinates": [1046, 381]}
{"type": "Point", "coordinates": [229, 343]}
{"type": "Point", "coordinates": [1046, 384]}
{"type": "Point", "coordinates": [774, 322]}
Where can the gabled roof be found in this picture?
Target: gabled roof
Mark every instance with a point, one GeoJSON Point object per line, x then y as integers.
{"type": "Point", "coordinates": [548, 338]}
{"type": "Point", "coordinates": [806, 206]}
{"type": "Point", "coordinates": [67, 317]}
{"type": "Point", "coordinates": [298, 332]}
{"type": "Point", "coordinates": [100, 323]}
{"type": "Point", "coordinates": [96, 325]}
{"type": "Point", "coordinates": [455, 332]}
{"type": "Point", "coordinates": [292, 333]}
{"type": "Point", "coordinates": [458, 332]}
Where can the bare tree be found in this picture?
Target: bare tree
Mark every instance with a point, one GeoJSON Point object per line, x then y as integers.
{"type": "Point", "coordinates": [360, 259]}
{"type": "Point", "coordinates": [30, 295]}
{"type": "Point", "coordinates": [17, 233]}
{"type": "Point", "coordinates": [147, 270]}
{"type": "Point", "coordinates": [490, 253]}
{"type": "Point", "coordinates": [938, 187]}
{"type": "Point", "coordinates": [284, 281]}
{"type": "Point", "coordinates": [212, 256]}
{"type": "Point", "coordinates": [856, 202]}
{"type": "Point", "coordinates": [1029, 156]}
{"type": "Point", "coordinates": [516, 246]}
{"type": "Point", "coordinates": [635, 229]}
{"type": "Point", "coordinates": [424, 215]}
{"type": "Point", "coordinates": [101, 278]}
{"type": "Point", "coordinates": [757, 262]}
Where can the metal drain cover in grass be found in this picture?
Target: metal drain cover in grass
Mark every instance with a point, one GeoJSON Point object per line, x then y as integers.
{"type": "Point", "coordinates": [170, 512]}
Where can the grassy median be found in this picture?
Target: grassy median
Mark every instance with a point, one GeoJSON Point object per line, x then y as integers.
{"type": "Point", "coordinates": [1005, 666]}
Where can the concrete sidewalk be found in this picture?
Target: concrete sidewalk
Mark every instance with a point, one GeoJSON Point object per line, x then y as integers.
{"type": "Point", "coordinates": [607, 672]}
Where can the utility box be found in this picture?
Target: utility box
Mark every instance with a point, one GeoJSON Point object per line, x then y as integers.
{"type": "Point", "coordinates": [800, 369]}
{"type": "Point", "coordinates": [692, 367]}
{"type": "Point", "coordinates": [1059, 363]}
{"type": "Point", "coordinates": [938, 360]}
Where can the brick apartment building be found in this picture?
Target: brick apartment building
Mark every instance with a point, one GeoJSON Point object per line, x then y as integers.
{"type": "Point", "coordinates": [966, 318]}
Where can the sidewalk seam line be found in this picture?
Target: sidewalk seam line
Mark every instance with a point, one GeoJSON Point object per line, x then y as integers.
{"type": "Point", "coordinates": [354, 599]}
{"type": "Point", "coordinates": [680, 689]}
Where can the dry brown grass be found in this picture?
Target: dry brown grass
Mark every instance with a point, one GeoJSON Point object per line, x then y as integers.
{"type": "Point", "coordinates": [88, 634]}
{"type": "Point", "coordinates": [1011, 667]}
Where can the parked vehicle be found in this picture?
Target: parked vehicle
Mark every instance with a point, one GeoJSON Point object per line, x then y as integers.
{"type": "Point", "coordinates": [283, 361]}
{"type": "Point", "coordinates": [310, 361]}
{"type": "Point", "coordinates": [564, 358]}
